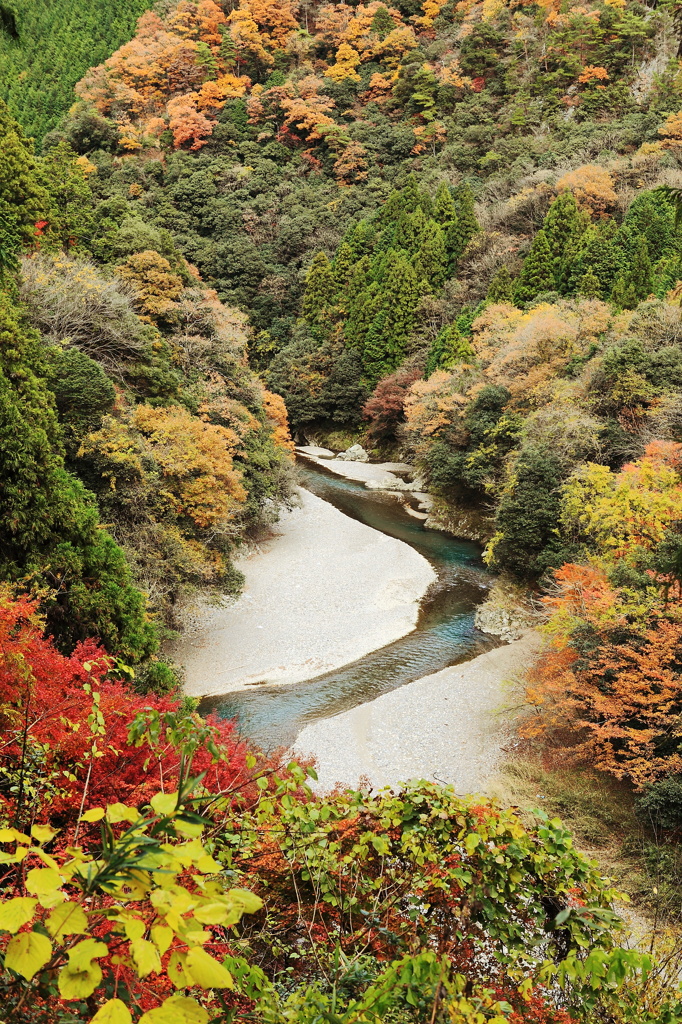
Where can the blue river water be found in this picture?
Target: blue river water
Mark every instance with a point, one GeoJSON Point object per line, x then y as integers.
{"type": "Point", "coordinates": [272, 716]}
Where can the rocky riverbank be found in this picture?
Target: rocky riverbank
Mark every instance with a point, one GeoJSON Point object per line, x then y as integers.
{"type": "Point", "coordinates": [321, 592]}
{"type": "Point", "coordinates": [450, 727]}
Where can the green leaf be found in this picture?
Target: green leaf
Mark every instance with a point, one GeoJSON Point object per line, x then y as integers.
{"type": "Point", "coordinates": [113, 1012]}
{"type": "Point", "coordinates": [176, 1010]}
{"type": "Point", "coordinates": [205, 971]}
{"type": "Point", "coordinates": [146, 957]}
{"type": "Point", "coordinates": [67, 919]}
{"type": "Point", "coordinates": [27, 953]}
{"type": "Point", "coordinates": [471, 842]}
{"type": "Point", "coordinates": [16, 912]}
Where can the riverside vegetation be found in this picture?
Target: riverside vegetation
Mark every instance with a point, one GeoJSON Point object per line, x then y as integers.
{"type": "Point", "coordinates": [450, 229]}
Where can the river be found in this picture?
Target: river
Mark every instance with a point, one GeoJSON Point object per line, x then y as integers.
{"type": "Point", "coordinates": [445, 635]}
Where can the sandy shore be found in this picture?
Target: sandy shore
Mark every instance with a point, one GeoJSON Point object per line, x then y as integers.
{"type": "Point", "coordinates": [447, 727]}
{"type": "Point", "coordinates": [322, 592]}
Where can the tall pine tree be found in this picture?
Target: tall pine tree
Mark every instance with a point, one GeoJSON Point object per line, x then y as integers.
{"type": "Point", "coordinates": [320, 289]}
{"type": "Point", "coordinates": [537, 274]}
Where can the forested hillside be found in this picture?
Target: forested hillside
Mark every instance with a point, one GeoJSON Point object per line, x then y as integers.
{"type": "Point", "coordinates": [47, 45]}
{"type": "Point", "coordinates": [449, 230]}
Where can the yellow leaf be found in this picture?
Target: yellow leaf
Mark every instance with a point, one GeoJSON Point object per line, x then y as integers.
{"type": "Point", "coordinates": [121, 812]}
{"type": "Point", "coordinates": [43, 833]}
{"type": "Point", "coordinates": [81, 976]}
{"type": "Point", "coordinates": [164, 803]}
{"type": "Point", "coordinates": [113, 1012]}
{"type": "Point", "coordinates": [94, 814]}
{"type": "Point", "coordinates": [176, 1010]}
{"type": "Point", "coordinates": [85, 951]}
{"type": "Point", "coordinates": [162, 937]}
{"type": "Point", "coordinates": [16, 913]}
{"type": "Point", "coordinates": [176, 970]}
{"type": "Point", "coordinates": [205, 971]}
{"type": "Point", "coordinates": [27, 953]}
{"type": "Point", "coordinates": [212, 913]}
{"type": "Point", "coordinates": [207, 864]}
{"type": "Point", "coordinates": [134, 928]}
{"type": "Point", "coordinates": [79, 983]}
{"type": "Point", "coordinates": [67, 919]}
{"type": "Point", "coordinates": [146, 957]}
{"type": "Point", "coordinates": [43, 881]}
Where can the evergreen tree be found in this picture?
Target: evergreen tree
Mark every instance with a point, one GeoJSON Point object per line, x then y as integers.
{"type": "Point", "coordinates": [598, 251]}
{"type": "Point", "coordinates": [363, 310]}
{"type": "Point", "coordinates": [448, 349]}
{"type": "Point", "coordinates": [588, 285]}
{"type": "Point", "coordinates": [320, 289]}
{"type": "Point", "coordinates": [23, 200]}
{"type": "Point", "coordinates": [382, 23]}
{"type": "Point", "coordinates": [462, 229]}
{"type": "Point", "coordinates": [501, 287]}
{"type": "Point", "coordinates": [537, 274]}
{"type": "Point", "coordinates": [444, 209]}
{"type": "Point", "coordinates": [71, 202]}
{"type": "Point", "coordinates": [563, 225]}
{"type": "Point", "coordinates": [431, 259]}
{"type": "Point", "coordinates": [375, 360]}
{"type": "Point", "coordinates": [640, 269]}
{"type": "Point", "coordinates": [343, 265]}
{"type": "Point", "coordinates": [624, 293]}
{"type": "Point", "coordinates": [228, 51]}
{"type": "Point", "coordinates": [400, 295]}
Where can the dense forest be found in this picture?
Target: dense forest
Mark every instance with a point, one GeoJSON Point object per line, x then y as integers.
{"type": "Point", "coordinates": [453, 232]}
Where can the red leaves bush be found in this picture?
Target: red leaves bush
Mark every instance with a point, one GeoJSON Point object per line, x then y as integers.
{"type": "Point", "coordinates": [53, 709]}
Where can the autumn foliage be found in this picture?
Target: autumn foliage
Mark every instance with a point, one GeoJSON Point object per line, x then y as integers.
{"type": "Point", "coordinates": [66, 720]}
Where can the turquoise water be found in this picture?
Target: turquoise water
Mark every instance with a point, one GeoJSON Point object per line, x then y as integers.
{"type": "Point", "coordinates": [445, 634]}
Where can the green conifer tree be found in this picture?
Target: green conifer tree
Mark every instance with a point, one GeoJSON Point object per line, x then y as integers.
{"type": "Point", "coordinates": [501, 287]}
{"type": "Point", "coordinates": [320, 289]}
{"type": "Point", "coordinates": [462, 229]}
{"type": "Point", "coordinates": [448, 350]}
{"type": "Point", "coordinates": [563, 225]}
{"type": "Point", "coordinates": [23, 200]}
{"type": "Point", "coordinates": [431, 259]}
{"type": "Point", "coordinates": [589, 285]}
{"type": "Point", "coordinates": [400, 294]}
{"type": "Point", "coordinates": [362, 312]}
{"type": "Point", "coordinates": [71, 202]}
{"type": "Point", "coordinates": [444, 209]}
{"type": "Point", "coordinates": [343, 265]}
{"type": "Point", "coordinates": [382, 23]}
{"type": "Point", "coordinates": [228, 51]}
{"type": "Point", "coordinates": [207, 60]}
{"type": "Point", "coordinates": [624, 293]}
{"type": "Point", "coordinates": [640, 269]}
{"type": "Point", "coordinates": [375, 360]}
{"type": "Point", "coordinates": [537, 274]}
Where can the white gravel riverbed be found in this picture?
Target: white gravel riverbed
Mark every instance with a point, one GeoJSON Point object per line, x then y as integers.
{"type": "Point", "coordinates": [449, 727]}
{"type": "Point", "coordinates": [323, 591]}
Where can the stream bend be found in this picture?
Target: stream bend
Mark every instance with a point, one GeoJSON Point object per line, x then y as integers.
{"type": "Point", "coordinates": [445, 634]}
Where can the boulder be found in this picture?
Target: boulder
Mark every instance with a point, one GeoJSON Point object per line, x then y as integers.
{"type": "Point", "coordinates": [356, 453]}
